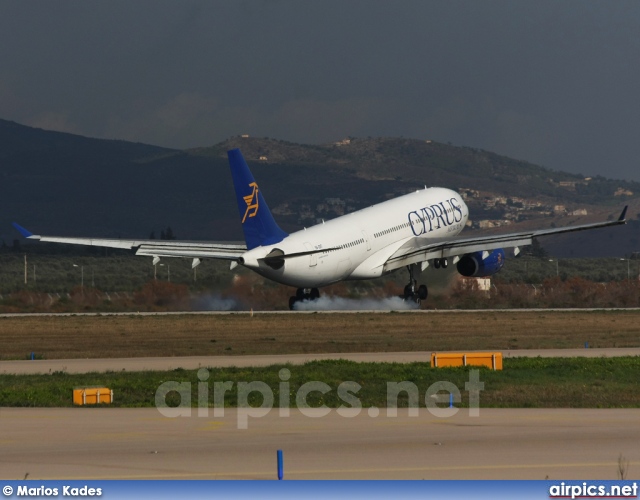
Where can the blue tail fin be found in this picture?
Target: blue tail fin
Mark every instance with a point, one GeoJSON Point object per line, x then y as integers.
{"type": "Point", "coordinates": [257, 222]}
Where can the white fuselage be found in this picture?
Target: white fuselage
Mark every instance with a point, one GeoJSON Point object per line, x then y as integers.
{"type": "Point", "coordinates": [358, 244]}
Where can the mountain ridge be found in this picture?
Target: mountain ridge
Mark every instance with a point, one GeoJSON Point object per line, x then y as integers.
{"type": "Point", "coordinates": [60, 183]}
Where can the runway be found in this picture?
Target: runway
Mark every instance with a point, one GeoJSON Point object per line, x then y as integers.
{"type": "Point", "coordinates": [194, 362]}
{"type": "Point", "coordinates": [323, 311]}
{"type": "Point", "coordinates": [90, 443]}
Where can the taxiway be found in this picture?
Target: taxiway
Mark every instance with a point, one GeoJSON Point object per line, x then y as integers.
{"type": "Point", "coordinates": [100, 443]}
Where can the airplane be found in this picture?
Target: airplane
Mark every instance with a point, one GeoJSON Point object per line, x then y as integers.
{"type": "Point", "coordinates": [411, 231]}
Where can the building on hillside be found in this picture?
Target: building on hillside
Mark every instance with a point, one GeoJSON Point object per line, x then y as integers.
{"type": "Point", "coordinates": [559, 209]}
{"type": "Point", "coordinates": [486, 223]}
{"type": "Point", "coordinates": [623, 192]}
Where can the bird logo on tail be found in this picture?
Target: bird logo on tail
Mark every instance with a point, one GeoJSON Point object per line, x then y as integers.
{"type": "Point", "coordinates": [252, 202]}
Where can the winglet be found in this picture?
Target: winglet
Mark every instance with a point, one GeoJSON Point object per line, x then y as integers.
{"type": "Point", "coordinates": [257, 222]}
{"type": "Point", "coordinates": [623, 215]}
{"type": "Point", "coordinates": [24, 232]}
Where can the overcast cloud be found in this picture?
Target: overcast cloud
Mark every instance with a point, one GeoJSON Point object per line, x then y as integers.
{"type": "Point", "coordinates": [555, 83]}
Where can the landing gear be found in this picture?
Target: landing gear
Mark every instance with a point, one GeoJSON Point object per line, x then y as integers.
{"type": "Point", "coordinates": [440, 263]}
{"type": "Point", "coordinates": [413, 292]}
{"type": "Point", "coordinates": [292, 303]}
{"type": "Point", "coordinates": [303, 294]}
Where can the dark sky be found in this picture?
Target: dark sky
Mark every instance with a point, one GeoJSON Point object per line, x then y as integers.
{"type": "Point", "coordinates": [552, 82]}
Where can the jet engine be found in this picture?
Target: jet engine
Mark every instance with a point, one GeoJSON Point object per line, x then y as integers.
{"type": "Point", "coordinates": [473, 265]}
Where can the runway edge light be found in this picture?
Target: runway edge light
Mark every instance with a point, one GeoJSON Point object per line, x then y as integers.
{"type": "Point", "coordinates": [280, 466]}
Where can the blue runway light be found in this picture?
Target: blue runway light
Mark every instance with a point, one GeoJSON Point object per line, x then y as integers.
{"type": "Point", "coordinates": [280, 466]}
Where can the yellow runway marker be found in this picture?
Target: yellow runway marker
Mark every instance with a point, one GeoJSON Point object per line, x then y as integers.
{"type": "Point", "coordinates": [211, 426]}
{"type": "Point", "coordinates": [110, 436]}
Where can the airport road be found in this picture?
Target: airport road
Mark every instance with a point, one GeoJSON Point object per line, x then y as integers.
{"type": "Point", "coordinates": [195, 362]}
{"type": "Point", "coordinates": [92, 443]}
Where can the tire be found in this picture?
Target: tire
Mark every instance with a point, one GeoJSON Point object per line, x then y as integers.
{"type": "Point", "coordinates": [423, 293]}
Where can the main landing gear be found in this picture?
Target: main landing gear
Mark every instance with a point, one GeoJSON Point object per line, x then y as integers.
{"type": "Point", "coordinates": [440, 263]}
{"type": "Point", "coordinates": [303, 294]}
{"type": "Point", "coordinates": [412, 291]}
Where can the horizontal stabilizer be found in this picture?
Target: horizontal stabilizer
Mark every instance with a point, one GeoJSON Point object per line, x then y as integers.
{"type": "Point", "coordinates": [280, 256]}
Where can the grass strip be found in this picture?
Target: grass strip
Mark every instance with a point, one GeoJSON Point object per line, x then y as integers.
{"type": "Point", "coordinates": [524, 383]}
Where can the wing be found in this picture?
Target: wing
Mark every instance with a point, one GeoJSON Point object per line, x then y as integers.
{"type": "Point", "coordinates": [420, 250]}
{"type": "Point", "coordinates": [153, 248]}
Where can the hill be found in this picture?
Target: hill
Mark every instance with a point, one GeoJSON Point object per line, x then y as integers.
{"type": "Point", "coordinates": [437, 164]}
{"type": "Point", "coordinates": [65, 184]}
